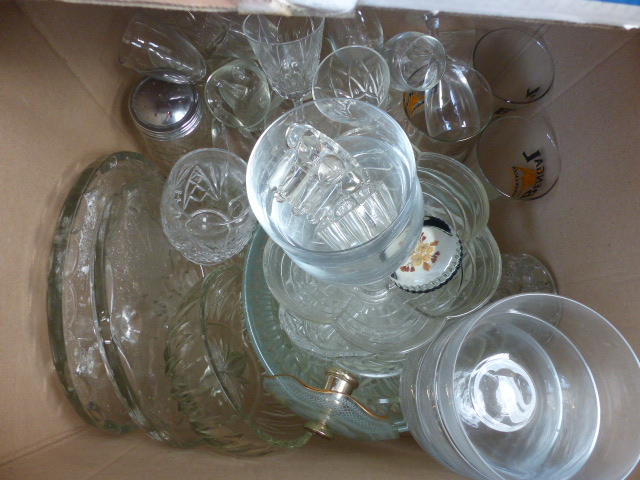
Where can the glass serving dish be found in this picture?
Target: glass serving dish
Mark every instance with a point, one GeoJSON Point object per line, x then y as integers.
{"type": "Point", "coordinates": [78, 354]}
{"type": "Point", "coordinates": [378, 384]}
{"type": "Point", "coordinates": [217, 378]}
{"type": "Point", "coordinates": [140, 281]}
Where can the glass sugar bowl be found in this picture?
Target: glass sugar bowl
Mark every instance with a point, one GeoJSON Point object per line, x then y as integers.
{"type": "Point", "coordinates": [171, 119]}
{"type": "Point", "coordinates": [334, 183]}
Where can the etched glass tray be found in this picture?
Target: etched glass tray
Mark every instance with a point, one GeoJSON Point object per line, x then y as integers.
{"type": "Point", "coordinates": [78, 355]}
{"type": "Point", "coordinates": [140, 281]}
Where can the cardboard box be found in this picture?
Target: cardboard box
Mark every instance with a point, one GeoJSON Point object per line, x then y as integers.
{"type": "Point", "coordinates": [63, 105]}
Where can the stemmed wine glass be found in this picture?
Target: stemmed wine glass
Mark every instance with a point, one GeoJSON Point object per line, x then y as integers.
{"type": "Point", "coordinates": [288, 50]}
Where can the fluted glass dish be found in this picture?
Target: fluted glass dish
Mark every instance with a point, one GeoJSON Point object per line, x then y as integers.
{"type": "Point", "coordinates": [78, 354]}
{"type": "Point", "coordinates": [140, 281]}
{"type": "Point", "coordinates": [382, 317]}
{"type": "Point", "coordinates": [474, 284]}
{"type": "Point", "coordinates": [216, 376]}
{"type": "Point", "coordinates": [466, 198]}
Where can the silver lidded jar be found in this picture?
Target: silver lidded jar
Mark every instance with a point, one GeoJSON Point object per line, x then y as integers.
{"type": "Point", "coordinates": [171, 118]}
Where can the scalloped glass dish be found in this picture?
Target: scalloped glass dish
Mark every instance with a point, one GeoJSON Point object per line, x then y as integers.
{"type": "Point", "coordinates": [140, 281]}
{"type": "Point", "coordinates": [279, 355]}
{"type": "Point", "coordinates": [78, 355]}
{"type": "Point", "coordinates": [216, 376]}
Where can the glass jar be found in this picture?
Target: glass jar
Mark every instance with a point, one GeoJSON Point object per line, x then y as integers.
{"type": "Point", "coordinates": [171, 119]}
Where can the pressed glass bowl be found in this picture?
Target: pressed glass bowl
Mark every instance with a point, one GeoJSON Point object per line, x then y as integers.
{"type": "Point", "coordinates": [280, 356]}
{"type": "Point", "coordinates": [458, 188]}
{"type": "Point", "coordinates": [216, 376]}
{"type": "Point", "coordinates": [77, 352]}
{"type": "Point", "coordinates": [384, 318]}
{"type": "Point", "coordinates": [140, 281]}
{"type": "Point", "coordinates": [506, 394]}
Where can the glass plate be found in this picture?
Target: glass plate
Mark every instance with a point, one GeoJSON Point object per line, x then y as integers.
{"type": "Point", "coordinates": [217, 377]}
{"type": "Point", "coordinates": [279, 356]}
{"type": "Point", "coordinates": [78, 355]}
{"type": "Point", "coordinates": [140, 281]}
{"type": "Point", "coordinates": [523, 273]}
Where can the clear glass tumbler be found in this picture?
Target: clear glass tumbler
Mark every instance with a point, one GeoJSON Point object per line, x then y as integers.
{"type": "Point", "coordinates": [156, 49]}
{"type": "Point", "coordinates": [416, 61]}
{"type": "Point", "coordinates": [205, 211]}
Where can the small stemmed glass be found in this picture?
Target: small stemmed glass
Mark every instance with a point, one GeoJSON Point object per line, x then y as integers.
{"type": "Point", "coordinates": [288, 50]}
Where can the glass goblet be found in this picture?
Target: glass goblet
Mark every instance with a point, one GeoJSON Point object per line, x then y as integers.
{"type": "Point", "coordinates": [157, 50]}
{"type": "Point", "coordinates": [288, 50]}
{"type": "Point", "coordinates": [416, 61]}
{"type": "Point", "coordinates": [363, 29]}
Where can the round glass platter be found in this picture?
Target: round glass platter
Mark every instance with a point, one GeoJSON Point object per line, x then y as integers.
{"type": "Point", "coordinates": [280, 356]}
{"type": "Point", "coordinates": [78, 355]}
{"type": "Point", "coordinates": [140, 281]}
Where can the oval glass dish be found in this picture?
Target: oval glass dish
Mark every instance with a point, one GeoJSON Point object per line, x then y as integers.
{"type": "Point", "coordinates": [140, 281]}
{"type": "Point", "coordinates": [216, 376]}
{"type": "Point", "coordinates": [78, 355]}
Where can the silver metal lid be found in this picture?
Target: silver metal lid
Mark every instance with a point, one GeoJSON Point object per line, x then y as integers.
{"type": "Point", "coordinates": [165, 110]}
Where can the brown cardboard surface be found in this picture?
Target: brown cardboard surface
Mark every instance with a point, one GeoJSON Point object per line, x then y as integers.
{"type": "Point", "coordinates": [586, 228]}
{"type": "Point", "coordinates": [51, 128]}
{"type": "Point", "coordinates": [92, 456]}
{"type": "Point", "coordinates": [62, 94]}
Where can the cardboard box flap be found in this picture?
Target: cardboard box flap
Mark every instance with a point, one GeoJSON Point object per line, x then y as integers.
{"type": "Point", "coordinates": [619, 13]}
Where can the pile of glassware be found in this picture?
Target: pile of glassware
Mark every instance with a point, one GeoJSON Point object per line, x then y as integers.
{"type": "Point", "coordinates": [295, 255]}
